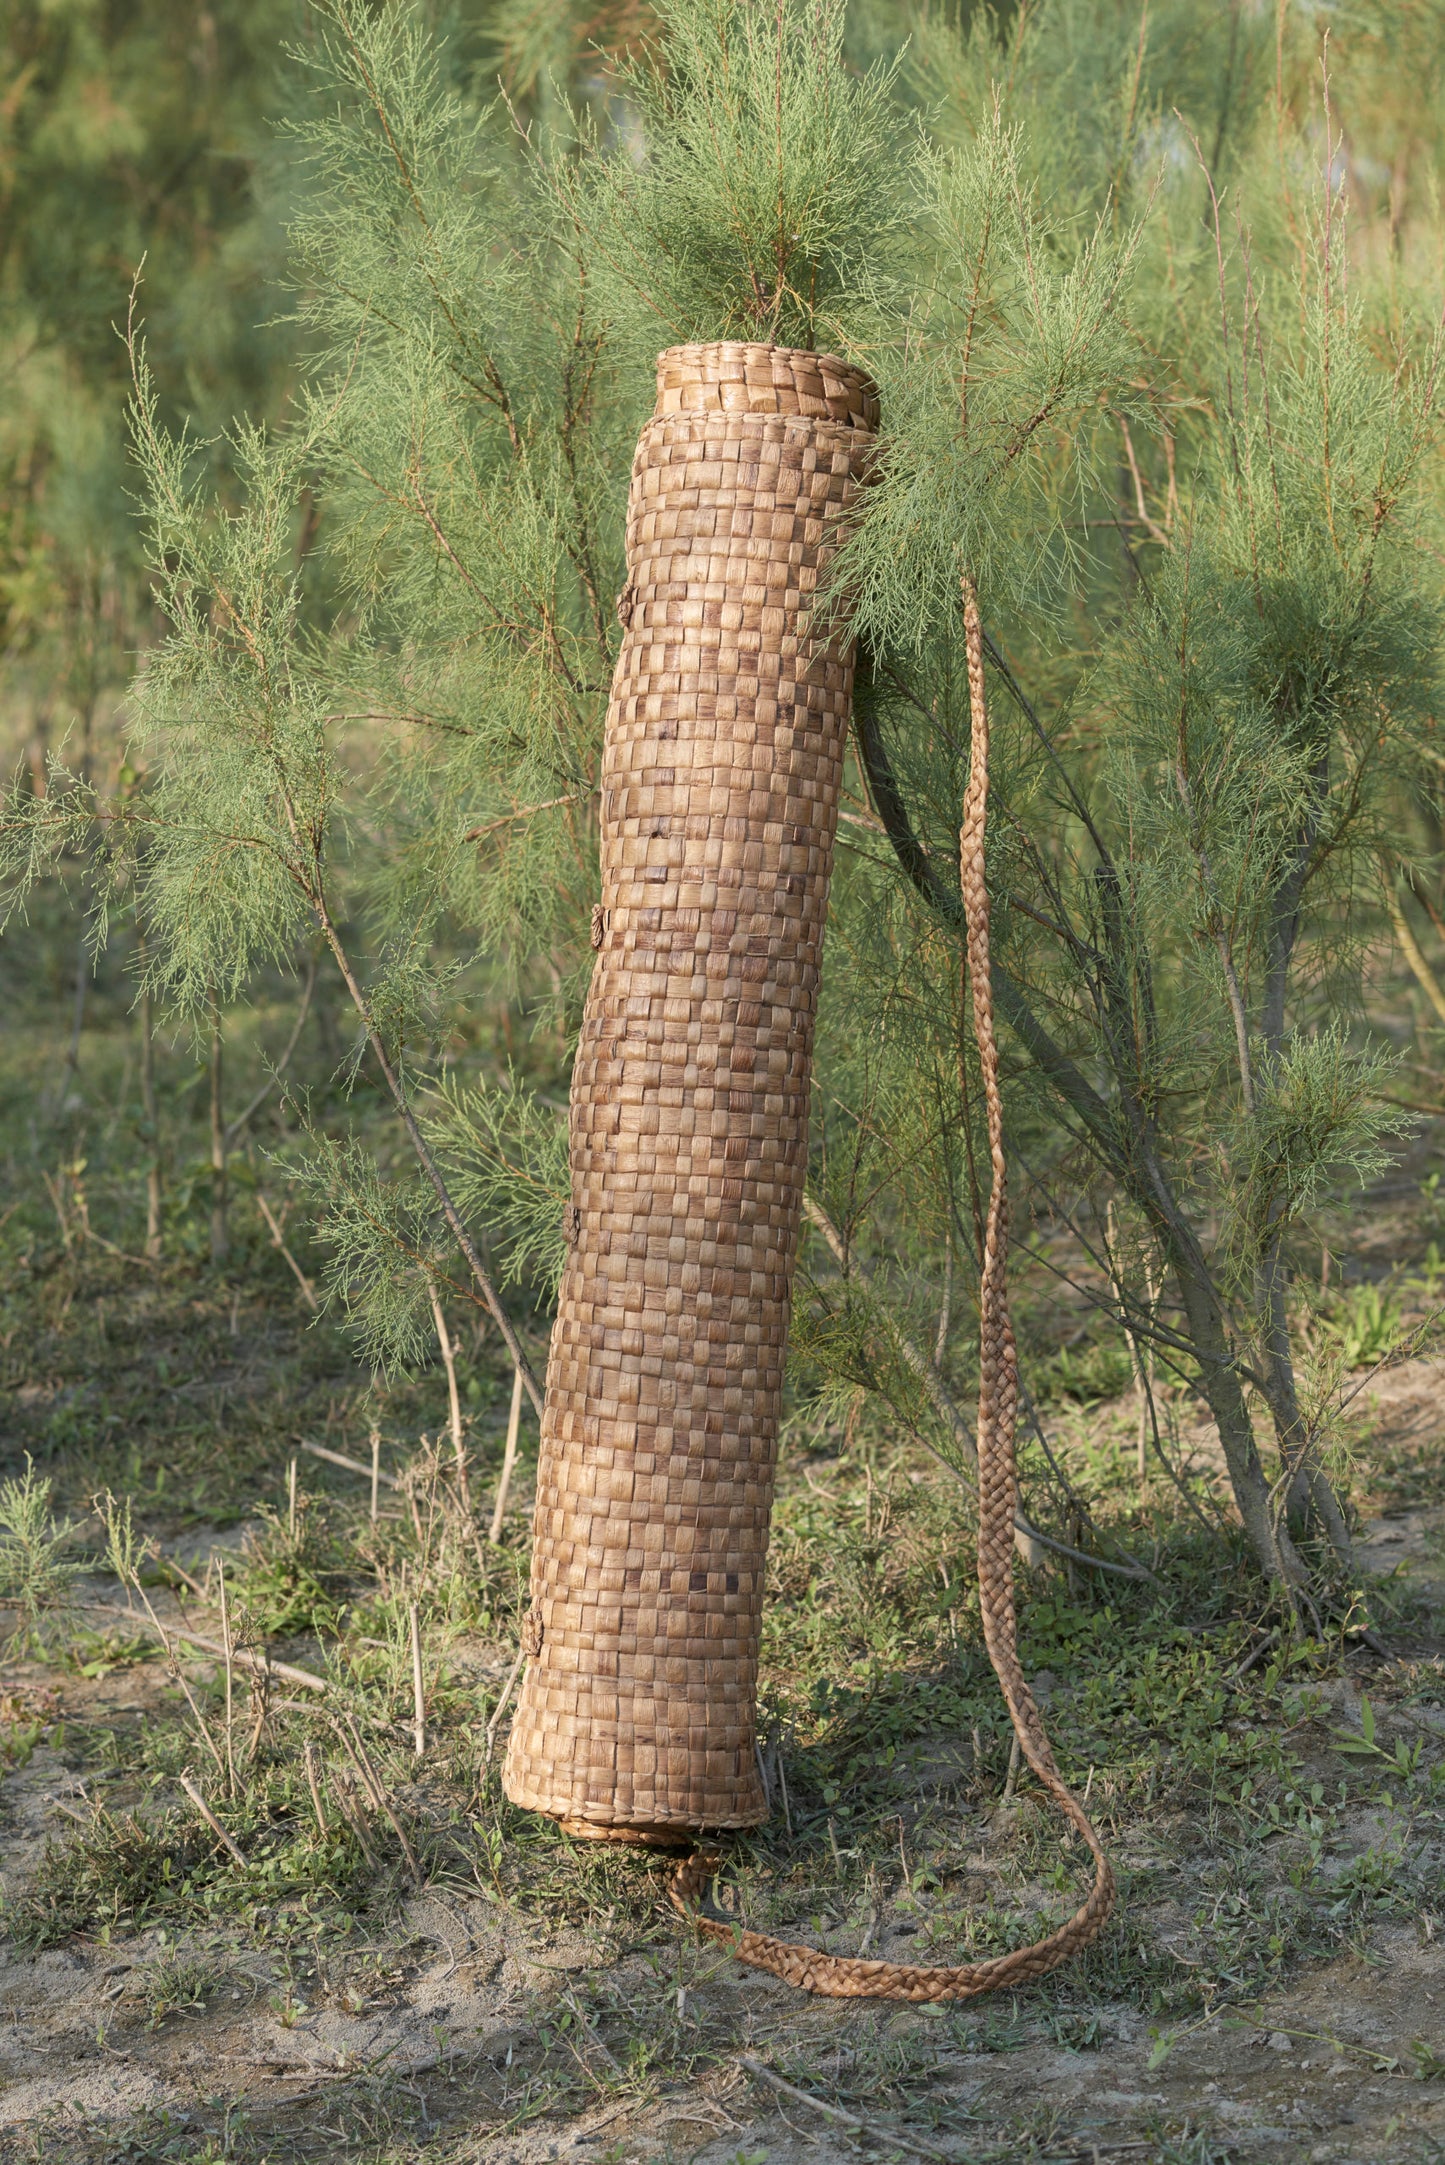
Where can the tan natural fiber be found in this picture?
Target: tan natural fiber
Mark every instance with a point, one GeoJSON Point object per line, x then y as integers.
{"type": "Point", "coordinates": [725, 741]}
{"type": "Point", "coordinates": [841, 1977]}
{"type": "Point", "coordinates": [724, 750]}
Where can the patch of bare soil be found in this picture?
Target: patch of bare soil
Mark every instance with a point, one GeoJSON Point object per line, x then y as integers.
{"type": "Point", "coordinates": [463, 2028]}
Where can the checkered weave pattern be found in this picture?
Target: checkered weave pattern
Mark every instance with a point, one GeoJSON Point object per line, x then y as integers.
{"type": "Point", "coordinates": [724, 752]}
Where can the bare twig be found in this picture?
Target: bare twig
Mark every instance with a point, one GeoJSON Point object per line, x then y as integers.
{"type": "Point", "coordinates": [371, 1473]}
{"type": "Point", "coordinates": [361, 1760]}
{"type": "Point", "coordinates": [523, 811]}
{"type": "Point", "coordinates": [417, 1693]}
{"type": "Point", "coordinates": [186, 1636]}
{"type": "Point", "coordinates": [211, 1820]}
{"type": "Point", "coordinates": [237, 1126]}
{"type": "Point", "coordinates": [1410, 947]}
{"type": "Point", "coordinates": [454, 1402]}
{"type": "Point", "coordinates": [344, 1791]}
{"type": "Point", "coordinates": [509, 1457]}
{"type": "Point", "coordinates": [887, 2138]}
{"type": "Point", "coordinates": [308, 1290]}
{"type": "Point", "coordinates": [230, 1689]}
{"type": "Point", "coordinates": [501, 1706]}
{"type": "Point", "coordinates": [590, 2030]}
{"type": "Point", "coordinates": [313, 1783]}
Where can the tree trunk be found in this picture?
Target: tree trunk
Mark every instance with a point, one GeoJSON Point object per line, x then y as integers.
{"type": "Point", "coordinates": [1223, 1389]}
{"type": "Point", "coordinates": [1309, 1494]}
{"type": "Point", "coordinates": [689, 1119]}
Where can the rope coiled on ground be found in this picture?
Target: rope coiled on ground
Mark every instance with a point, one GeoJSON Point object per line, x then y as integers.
{"type": "Point", "coordinates": [849, 1977]}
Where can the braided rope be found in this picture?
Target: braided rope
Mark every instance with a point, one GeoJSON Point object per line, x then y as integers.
{"type": "Point", "coordinates": [842, 1976]}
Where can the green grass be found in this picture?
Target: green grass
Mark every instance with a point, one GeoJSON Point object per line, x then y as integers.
{"type": "Point", "coordinates": [188, 1389]}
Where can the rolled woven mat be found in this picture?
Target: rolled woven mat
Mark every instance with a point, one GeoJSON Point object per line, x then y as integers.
{"type": "Point", "coordinates": [724, 751]}
{"type": "Point", "coordinates": [724, 748]}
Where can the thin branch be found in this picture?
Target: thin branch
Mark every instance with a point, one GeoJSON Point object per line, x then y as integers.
{"type": "Point", "coordinates": [237, 1126]}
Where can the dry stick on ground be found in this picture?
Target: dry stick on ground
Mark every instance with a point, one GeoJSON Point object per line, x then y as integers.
{"type": "Point", "coordinates": [285, 1669]}
{"type": "Point", "coordinates": [313, 1783]}
{"type": "Point", "coordinates": [351, 1739]}
{"type": "Point", "coordinates": [501, 1706]}
{"type": "Point", "coordinates": [211, 1820]}
{"type": "Point", "coordinates": [261, 1692]}
{"type": "Point", "coordinates": [308, 1290]}
{"type": "Point", "coordinates": [345, 1793]}
{"type": "Point", "coordinates": [591, 2031]}
{"type": "Point", "coordinates": [1026, 1534]}
{"type": "Point", "coordinates": [418, 1698]}
{"type": "Point", "coordinates": [371, 1473]}
{"type": "Point", "coordinates": [887, 2138]}
{"type": "Point", "coordinates": [509, 1458]}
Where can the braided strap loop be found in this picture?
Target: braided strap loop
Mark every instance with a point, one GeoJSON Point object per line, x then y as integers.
{"type": "Point", "coordinates": [847, 1977]}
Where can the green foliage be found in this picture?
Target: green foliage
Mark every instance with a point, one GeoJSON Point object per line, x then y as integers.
{"type": "Point", "coordinates": [758, 188]}
{"type": "Point", "coordinates": [35, 1573]}
{"type": "Point", "coordinates": [1365, 1327]}
{"type": "Point", "coordinates": [1187, 456]}
{"type": "Point", "coordinates": [380, 1233]}
{"type": "Point", "coordinates": [506, 1152]}
{"type": "Point", "coordinates": [1015, 335]}
{"type": "Point", "coordinates": [126, 135]}
{"type": "Point", "coordinates": [123, 1871]}
{"type": "Point", "coordinates": [288, 1582]}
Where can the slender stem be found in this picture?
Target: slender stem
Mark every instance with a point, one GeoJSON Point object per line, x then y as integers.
{"type": "Point", "coordinates": [149, 1109]}
{"type": "Point", "coordinates": [454, 1401]}
{"type": "Point", "coordinates": [1410, 947]}
{"type": "Point", "coordinates": [278, 1240]}
{"type": "Point", "coordinates": [418, 1693]}
{"type": "Point", "coordinates": [219, 1235]}
{"type": "Point", "coordinates": [509, 1458]}
{"type": "Point", "coordinates": [230, 1690]}
{"type": "Point", "coordinates": [237, 1127]}
{"type": "Point", "coordinates": [1028, 1538]}
{"type": "Point", "coordinates": [419, 1144]}
{"type": "Point", "coordinates": [211, 1820]}
{"type": "Point", "coordinates": [940, 1343]}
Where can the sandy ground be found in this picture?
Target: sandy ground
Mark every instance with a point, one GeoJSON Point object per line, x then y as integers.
{"type": "Point", "coordinates": [450, 2017]}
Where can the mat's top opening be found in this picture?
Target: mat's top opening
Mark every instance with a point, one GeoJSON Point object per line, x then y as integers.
{"type": "Point", "coordinates": [733, 376]}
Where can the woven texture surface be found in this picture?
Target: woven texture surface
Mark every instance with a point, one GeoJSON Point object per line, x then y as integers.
{"type": "Point", "coordinates": [723, 756]}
